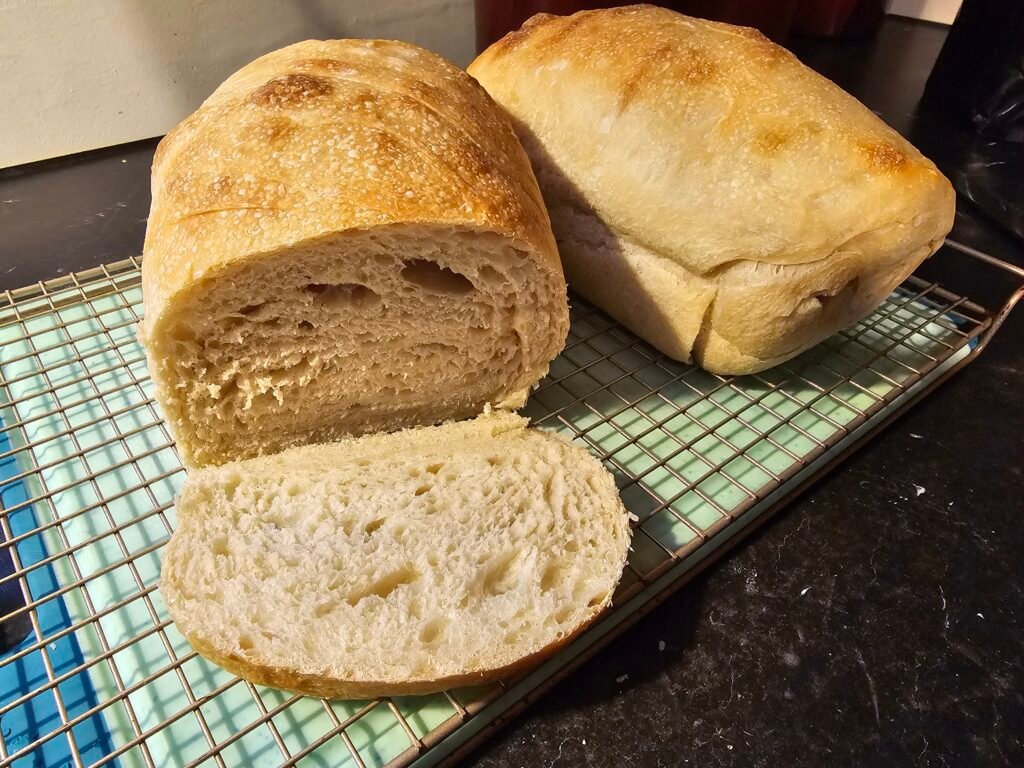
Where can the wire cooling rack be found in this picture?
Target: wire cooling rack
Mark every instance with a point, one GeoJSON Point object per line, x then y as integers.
{"type": "Point", "coordinates": [88, 475]}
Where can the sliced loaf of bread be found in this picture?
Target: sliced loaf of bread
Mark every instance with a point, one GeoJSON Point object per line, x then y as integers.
{"type": "Point", "coordinates": [345, 238]}
{"type": "Point", "coordinates": [399, 563]}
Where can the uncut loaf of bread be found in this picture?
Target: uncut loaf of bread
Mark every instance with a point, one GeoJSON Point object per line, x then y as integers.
{"type": "Point", "coordinates": [709, 191]}
{"type": "Point", "coordinates": [400, 563]}
{"type": "Point", "coordinates": [345, 237]}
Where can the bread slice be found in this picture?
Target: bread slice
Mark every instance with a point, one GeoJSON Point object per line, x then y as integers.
{"type": "Point", "coordinates": [346, 237]}
{"type": "Point", "coordinates": [395, 564]}
{"type": "Point", "coordinates": [709, 191]}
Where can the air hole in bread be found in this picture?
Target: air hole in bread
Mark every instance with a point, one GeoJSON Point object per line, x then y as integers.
{"type": "Point", "coordinates": [432, 277]}
{"type": "Point", "coordinates": [433, 629]}
{"type": "Point", "coordinates": [433, 469]}
{"type": "Point", "coordinates": [182, 332]}
{"type": "Point", "coordinates": [231, 485]}
{"type": "Point", "coordinates": [250, 309]}
{"type": "Point", "coordinates": [373, 525]}
{"type": "Point", "coordinates": [385, 585]}
{"type": "Point", "coordinates": [512, 638]}
{"type": "Point", "coordinates": [491, 276]}
{"type": "Point", "coordinates": [220, 546]}
{"type": "Point", "coordinates": [343, 296]}
{"type": "Point", "coordinates": [290, 374]}
{"type": "Point", "coordinates": [562, 614]}
{"type": "Point", "coordinates": [434, 349]}
{"type": "Point", "coordinates": [228, 389]}
{"type": "Point", "coordinates": [500, 577]}
{"type": "Point", "coordinates": [552, 576]}
{"type": "Point", "coordinates": [305, 325]}
{"type": "Point", "coordinates": [493, 460]}
{"type": "Point", "coordinates": [245, 643]}
{"type": "Point", "coordinates": [423, 489]}
{"type": "Point", "coordinates": [335, 582]}
{"type": "Point", "coordinates": [324, 608]}
{"type": "Point", "coordinates": [261, 401]}
{"type": "Point", "coordinates": [597, 599]}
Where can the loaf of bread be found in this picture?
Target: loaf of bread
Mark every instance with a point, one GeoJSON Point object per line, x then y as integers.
{"type": "Point", "coordinates": [400, 563]}
{"type": "Point", "coordinates": [345, 237]}
{"type": "Point", "coordinates": [717, 197]}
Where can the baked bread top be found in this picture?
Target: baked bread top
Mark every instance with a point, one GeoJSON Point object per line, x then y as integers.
{"type": "Point", "coordinates": [327, 136]}
{"type": "Point", "coordinates": [723, 201]}
{"type": "Point", "coordinates": [707, 142]}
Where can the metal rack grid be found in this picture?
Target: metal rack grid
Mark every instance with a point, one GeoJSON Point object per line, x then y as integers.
{"type": "Point", "coordinates": [88, 475]}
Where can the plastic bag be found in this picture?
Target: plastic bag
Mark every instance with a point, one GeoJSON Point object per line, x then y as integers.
{"type": "Point", "coordinates": [979, 75]}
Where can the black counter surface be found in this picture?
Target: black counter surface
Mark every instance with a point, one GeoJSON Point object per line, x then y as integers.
{"type": "Point", "coordinates": [868, 624]}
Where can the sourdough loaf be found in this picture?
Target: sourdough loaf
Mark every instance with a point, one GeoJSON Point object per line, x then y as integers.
{"type": "Point", "coordinates": [345, 237]}
{"type": "Point", "coordinates": [723, 201]}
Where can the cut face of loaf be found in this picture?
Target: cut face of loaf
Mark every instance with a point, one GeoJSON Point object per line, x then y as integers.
{"type": "Point", "coordinates": [345, 237]}
{"type": "Point", "coordinates": [360, 332]}
{"type": "Point", "coordinates": [723, 201]}
{"type": "Point", "coordinates": [394, 564]}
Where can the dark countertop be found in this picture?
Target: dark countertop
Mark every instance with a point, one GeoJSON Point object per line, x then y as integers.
{"type": "Point", "coordinates": [865, 625]}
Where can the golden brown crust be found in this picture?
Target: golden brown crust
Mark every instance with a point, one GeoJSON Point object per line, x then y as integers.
{"type": "Point", "coordinates": [326, 687]}
{"type": "Point", "coordinates": [711, 149]}
{"type": "Point", "coordinates": [330, 136]}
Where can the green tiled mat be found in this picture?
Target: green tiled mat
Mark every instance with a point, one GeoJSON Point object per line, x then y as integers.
{"type": "Point", "coordinates": [696, 457]}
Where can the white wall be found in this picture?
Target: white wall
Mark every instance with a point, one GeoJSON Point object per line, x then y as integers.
{"type": "Point", "coordinates": [81, 74]}
{"type": "Point", "coordinates": [942, 11]}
